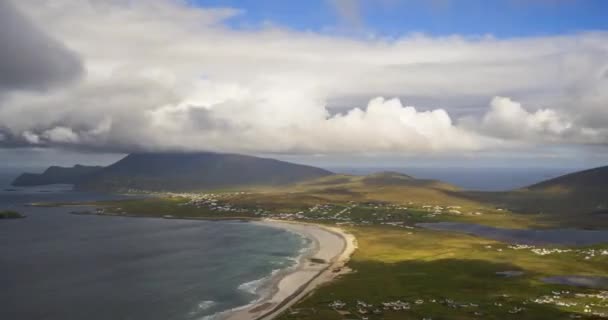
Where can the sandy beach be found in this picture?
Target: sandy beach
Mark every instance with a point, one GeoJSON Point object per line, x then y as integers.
{"type": "Point", "coordinates": [325, 260]}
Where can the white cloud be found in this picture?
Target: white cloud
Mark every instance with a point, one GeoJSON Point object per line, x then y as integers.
{"type": "Point", "coordinates": [31, 137]}
{"type": "Point", "coordinates": [163, 75]}
{"type": "Point", "coordinates": [262, 123]}
{"type": "Point", "coordinates": [507, 119]}
{"type": "Point", "coordinates": [60, 135]}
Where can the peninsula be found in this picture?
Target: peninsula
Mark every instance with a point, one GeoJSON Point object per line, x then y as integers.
{"type": "Point", "coordinates": [407, 264]}
{"type": "Point", "coordinates": [7, 214]}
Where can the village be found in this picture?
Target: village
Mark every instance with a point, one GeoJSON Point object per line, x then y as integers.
{"type": "Point", "coordinates": [564, 299]}
{"type": "Point", "coordinates": [351, 213]}
{"type": "Point", "coordinates": [586, 253]}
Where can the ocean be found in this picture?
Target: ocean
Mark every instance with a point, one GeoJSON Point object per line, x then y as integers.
{"type": "Point", "coordinates": [56, 265]}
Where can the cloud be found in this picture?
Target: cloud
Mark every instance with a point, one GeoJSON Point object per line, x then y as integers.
{"type": "Point", "coordinates": [382, 126]}
{"type": "Point", "coordinates": [161, 75]}
{"type": "Point", "coordinates": [61, 135]}
{"type": "Point", "coordinates": [29, 58]}
{"type": "Point", "coordinates": [509, 120]}
{"type": "Point", "coordinates": [31, 137]}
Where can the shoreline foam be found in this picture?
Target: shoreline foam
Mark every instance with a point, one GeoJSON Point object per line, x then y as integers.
{"type": "Point", "coordinates": [329, 244]}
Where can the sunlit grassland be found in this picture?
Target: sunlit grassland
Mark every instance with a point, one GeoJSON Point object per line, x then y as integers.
{"type": "Point", "coordinates": [395, 264]}
{"type": "Point", "coordinates": [162, 207]}
{"type": "Point", "coordinates": [392, 245]}
{"type": "Point", "coordinates": [340, 190]}
{"type": "Point", "coordinates": [298, 201]}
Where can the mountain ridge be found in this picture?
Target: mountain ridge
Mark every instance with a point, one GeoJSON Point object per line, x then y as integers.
{"type": "Point", "coordinates": [195, 171]}
{"type": "Point", "coordinates": [55, 175]}
{"type": "Point", "coordinates": [580, 192]}
{"type": "Point", "coordinates": [579, 180]}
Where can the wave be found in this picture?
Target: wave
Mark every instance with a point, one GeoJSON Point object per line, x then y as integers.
{"type": "Point", "coordinates": [205, 305]}
{"type": "Point", "coordinates": [202, 307]}
{"type": "Point", "coordinates": [256, 287]}
{"type": "Point", "coordinates": [261, 288]}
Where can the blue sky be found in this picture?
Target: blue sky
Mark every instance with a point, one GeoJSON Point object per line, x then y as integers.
{"type": "Point", "coordinates": [393, 18]}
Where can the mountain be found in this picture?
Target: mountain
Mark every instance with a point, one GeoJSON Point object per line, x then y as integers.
{"type": "Point", "coordinates": [55, 175]}
{"type": "Point", "coordinates": [195, 171]}
{"type": "Point", "coordinates": [583, 192]}
{"type": "Point", "coordinates": [387, 178]}
{"type": "Point", "coordinates": [382, 186]}
{"type": "Point", "coordinates": [582, 180]}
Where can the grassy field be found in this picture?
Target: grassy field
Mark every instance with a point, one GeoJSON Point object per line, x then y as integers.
{"type": "Point", "coordinates": [452, 276]}
{"type": "Point", "coordinates": [367, 211]}
{"type": "Point", "coordinates": [509, 209]}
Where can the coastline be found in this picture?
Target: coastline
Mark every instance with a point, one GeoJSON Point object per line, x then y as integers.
{"type": "Point", "coordinates": [326, 259]}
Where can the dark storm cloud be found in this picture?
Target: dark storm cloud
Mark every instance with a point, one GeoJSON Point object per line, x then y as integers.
{"type": "Point", "coordinates": [29, 58]}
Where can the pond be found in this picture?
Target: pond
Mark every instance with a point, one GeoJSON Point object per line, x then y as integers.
{"type": "Point", "coordinates": [578, 281]}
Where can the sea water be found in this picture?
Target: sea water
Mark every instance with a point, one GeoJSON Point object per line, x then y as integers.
{"type": "Point", "coordinates": [56, 265]}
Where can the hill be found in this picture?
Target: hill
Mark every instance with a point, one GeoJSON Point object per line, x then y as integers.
{"type": "Point", "coordinates": [55, 175]}
{"type": "Point", "coordinates": [196, 171]}
{"type": "Point", "coordinates": [583, 192]}
{"type": "Point", "coordinates": [582, 180]}
{"type": "Point", "coordinates": [384, 187]}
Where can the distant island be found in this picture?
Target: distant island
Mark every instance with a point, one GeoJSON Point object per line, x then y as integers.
{"type": "Point", "coordinates": [55, 175]}
{"type": "Point", "coordinates": [8, 214]}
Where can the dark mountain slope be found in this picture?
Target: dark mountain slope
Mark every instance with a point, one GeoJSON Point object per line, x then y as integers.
{"type": "Point", "coordinates": [582, 180]}
{"type": "Point", "coordinates": [583, 192]}
{"type": "Point", "coordinates": [56, 175]}
{"type": "Point", "coordinates": [196, 171]}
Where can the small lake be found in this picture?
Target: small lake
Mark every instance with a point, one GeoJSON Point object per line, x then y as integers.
{"type": "Point", "coordinates": [562, 237]}
{"type": "Point", "coordinates": [578, 281]}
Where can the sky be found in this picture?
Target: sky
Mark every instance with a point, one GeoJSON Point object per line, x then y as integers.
{"type": "Point", "coordinates": [324, 82]}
